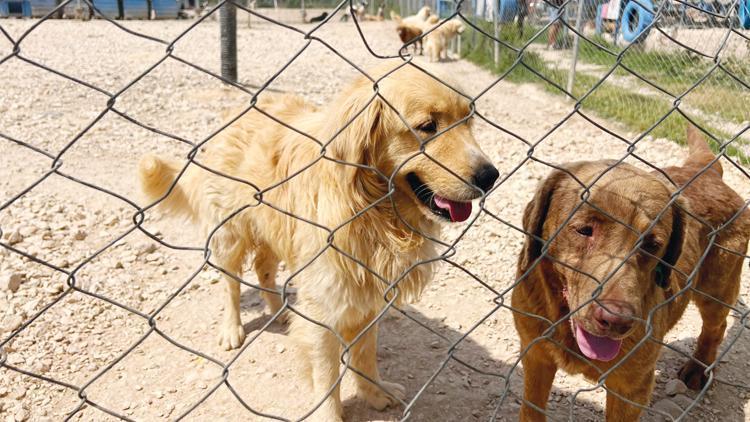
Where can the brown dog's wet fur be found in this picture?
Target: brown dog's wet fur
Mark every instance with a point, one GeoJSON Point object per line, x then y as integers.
{"type": "Point", "coordinates": [595, 245]}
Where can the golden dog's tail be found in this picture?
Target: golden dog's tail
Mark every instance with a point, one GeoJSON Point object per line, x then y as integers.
{"type": "Point", "coordinates": [395, 17]}
{"type": "Point", "coordinates": [700, 155]}
{"type": "Point", "coordinates": [157, 178]}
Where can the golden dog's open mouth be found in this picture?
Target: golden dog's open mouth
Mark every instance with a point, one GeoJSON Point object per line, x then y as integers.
{"type": "Point", "coordinates": [455, 211]}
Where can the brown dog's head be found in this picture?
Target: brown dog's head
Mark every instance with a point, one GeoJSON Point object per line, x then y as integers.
{"type": "Point", "coordinates": [590, 261]}
{"type": "Point", "coordinates": [395, 133]}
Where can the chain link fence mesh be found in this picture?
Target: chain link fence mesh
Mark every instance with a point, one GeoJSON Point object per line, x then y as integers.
{"type": "Point", "coordinates": [687, 65]}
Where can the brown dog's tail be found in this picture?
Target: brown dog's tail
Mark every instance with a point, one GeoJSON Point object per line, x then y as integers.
{"type": "Point", "coordinates": [700, 155]}
{"type": "Point", "coordinates": [157, 177]}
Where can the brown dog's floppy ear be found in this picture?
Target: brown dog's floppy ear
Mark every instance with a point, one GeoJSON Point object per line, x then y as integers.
{"type": "Point", "coordinates": [663, 269]}
{"type": "Point", "coordinates": [533, 220]}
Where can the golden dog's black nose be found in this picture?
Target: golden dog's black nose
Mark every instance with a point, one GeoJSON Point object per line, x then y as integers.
{"type": "Point", "coordinates": [485, 177]}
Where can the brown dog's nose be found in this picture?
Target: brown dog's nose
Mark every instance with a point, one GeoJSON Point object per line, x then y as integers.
{"type": "Point", "coordinates": [485, 177]}
{"type": "Point", "coordinates": [615, 318]}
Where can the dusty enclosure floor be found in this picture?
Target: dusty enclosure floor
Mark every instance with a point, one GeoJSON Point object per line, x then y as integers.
{"type": "Point", "coordinates": [64, 223]}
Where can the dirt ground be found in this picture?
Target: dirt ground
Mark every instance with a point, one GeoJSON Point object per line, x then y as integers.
{"type": "Point", "coordinates": [80, 339]}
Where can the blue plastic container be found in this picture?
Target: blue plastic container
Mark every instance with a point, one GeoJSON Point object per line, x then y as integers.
{"type": "Point", "coordinates": [135, 9]}
{"type": "Point", "coordinates": [107, 8]}
{"type": "Point", "coordinates": [445, 8]}
{"type": "Point", "coordinates": [15, 8]}
{"type": "Point", "coordinates": [166, 9]}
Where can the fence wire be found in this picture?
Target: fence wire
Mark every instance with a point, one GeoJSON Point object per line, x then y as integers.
{"type": "Point", "coordinates": [478, 42]}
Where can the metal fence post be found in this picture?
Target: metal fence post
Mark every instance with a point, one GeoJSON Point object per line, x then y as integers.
{"type": "Point", "coordinates": [576, 46]}
{"type": "Point", "coordinates": [228, 28]}
{"type": "Point", "coordinates": [496, 45]}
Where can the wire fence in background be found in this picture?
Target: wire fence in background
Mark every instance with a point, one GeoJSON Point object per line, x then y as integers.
{"type": "Point", "coordinates": [657, 51]}
{"type": "Point", "coordinates": [521, 57]}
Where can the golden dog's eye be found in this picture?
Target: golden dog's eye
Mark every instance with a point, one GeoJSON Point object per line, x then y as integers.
{"type": "Point", "coordinates": [429, 127]}
{"type": "Point", "coordinates": [585, 231]}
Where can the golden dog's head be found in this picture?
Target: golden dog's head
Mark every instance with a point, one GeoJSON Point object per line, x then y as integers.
{"type": "Point", "coordinates": [417, 131]}
{"type": "Point", "coordinates": [424, 12]}
{"type": "Point", "coordinates": [596, 261]}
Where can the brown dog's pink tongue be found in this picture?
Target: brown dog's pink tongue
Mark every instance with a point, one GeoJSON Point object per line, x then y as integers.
{"type": "Point", "coordinates": [459, 211]}
{"type": "Point", "coordinates": [597, 348]}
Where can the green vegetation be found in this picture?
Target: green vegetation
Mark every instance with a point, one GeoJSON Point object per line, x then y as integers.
{"type": "Point", "coordinates": [637, 111]}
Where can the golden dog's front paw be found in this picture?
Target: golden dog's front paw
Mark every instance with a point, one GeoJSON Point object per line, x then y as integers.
{"type": "Point", "coordinates": [231, 336]}
{"type": "Point", "coordinates": [379, 399]}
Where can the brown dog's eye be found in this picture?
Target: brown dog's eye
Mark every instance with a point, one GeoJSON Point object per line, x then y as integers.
{"type": "Point", "coordinates": [651, 244]}
{"type": "Point", "coordinates": [586, 231]}
{"type": "Point", "coordinates": [429, 127]}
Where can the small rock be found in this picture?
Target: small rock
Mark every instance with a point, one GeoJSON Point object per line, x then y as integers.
{"type": "Point", "coordinates": [683, 401]}
{"type": "Point", "coordinates": [21, 415]}
{"type": "Point", "coordinates": [675, 387]}
{"type": "Point", "coordinates": [18, 393]}
{"type": "Point", "coordinates": [11, 282]}
{"type": "Point", "coordinates": [15, 237]}
{"type": "Point", "coordinates": [280, 348]}
{"type": "Point", "coordinates": [668, 407]}
{"type": "Point", "coordinates": [12, 323]}
{"type": "Point", "coordinates": [79, 235]}
{"type": "Point", "coordinates": [147, 248]}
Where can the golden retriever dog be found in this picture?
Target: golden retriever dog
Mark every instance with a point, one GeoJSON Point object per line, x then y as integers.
{"type": "Point", "coordinates": [369, 196]}
{"type": "Point", "coordinates": [416, 20]}
{"type": "Point", "coordinates": [621, 264]}
{"type": "Point", "coordinates": [436, 42]}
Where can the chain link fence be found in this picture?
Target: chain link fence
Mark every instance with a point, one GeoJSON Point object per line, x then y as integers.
{"type": "Point", "coordinates": [656, 51]}
{"type": "Point", "coordinates": [92, 301]}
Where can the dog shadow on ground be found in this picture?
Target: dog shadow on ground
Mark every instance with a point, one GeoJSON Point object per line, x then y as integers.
{"type": "Point", "coordinates": [414, 356]}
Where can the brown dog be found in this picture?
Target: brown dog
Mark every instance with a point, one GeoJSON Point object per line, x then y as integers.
{"type": "Point", "coordinates": [407, 33]}
{"type": "Point", "coordinates": [600, 285]}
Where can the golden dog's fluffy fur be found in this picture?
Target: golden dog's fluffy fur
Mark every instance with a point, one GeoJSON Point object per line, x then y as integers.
{"type": "Point", "coordinates": [416, 20]}
{"type": "Point", "coordinates": [436, 42]}
{"type": "Point", "coordinates": [592, 248]}
{"type": "Point", "coordinates": [332, 288]}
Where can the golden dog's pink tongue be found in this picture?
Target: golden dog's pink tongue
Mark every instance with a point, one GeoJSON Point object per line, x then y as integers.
{"type": "Point", "coordinates": [459, 211]}
{"type": "Point", "coordinates": [597, 348]}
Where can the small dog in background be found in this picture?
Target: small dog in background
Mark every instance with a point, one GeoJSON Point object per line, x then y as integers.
{"type": "Point", "coordinates": [319, 18]}
{"type": "Point", "coordinates": [414, 26]}
{"type": "Point", "coordinates": [436, 43]}
{"type": "Point", "coordinates": [407, 33]}
{"type": "Point", "coordinates": [416, 20]}
{"type": "Point", "coordinates": [594, 256]}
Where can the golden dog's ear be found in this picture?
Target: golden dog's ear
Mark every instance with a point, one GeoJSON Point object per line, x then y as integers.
{"type": "Point", "coordinates": [674, 248]}
{"type": "Point", "coordinates": [533, 220]}
{"type": "Point", "coordinates": [364, 116]}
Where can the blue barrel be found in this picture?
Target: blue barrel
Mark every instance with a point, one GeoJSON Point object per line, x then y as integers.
{"type": "Point", "coordinates": [507, 10]}
{"type": "Point", "coordinates": [41, 8]}
{"type": "Point", "coordinates": [135, 9]}
{"type": "Point", "coordinates": [166, 9]}
{"type": "Point", "coordinates": [107, 8]}
{"type": "Point", "coordinates": [15, 8]}
{"type": "Point", "coordinates": [743, 14]}
{"type": "Point", "coordinates": [445, 8]}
